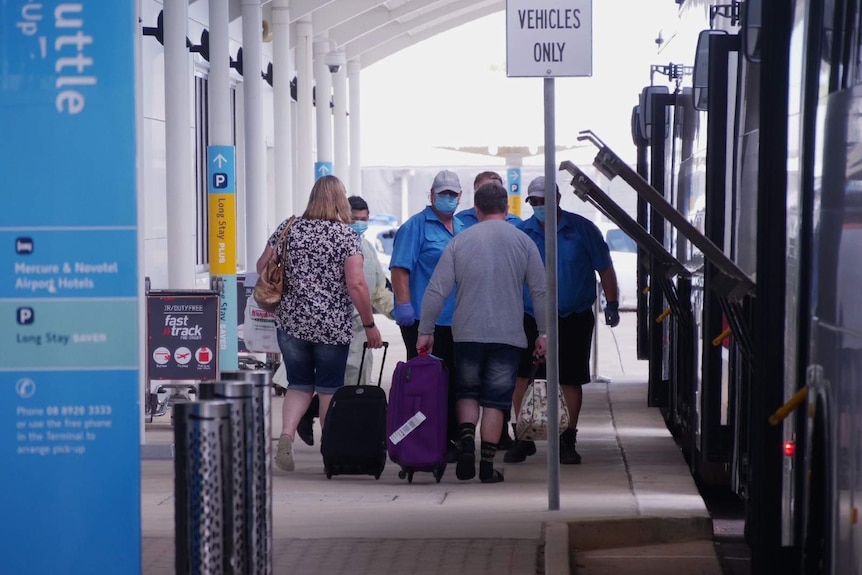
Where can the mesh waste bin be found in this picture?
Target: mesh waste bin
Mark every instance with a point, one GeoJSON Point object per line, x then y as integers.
{"type": "Point", "coordinates": [260, 518]}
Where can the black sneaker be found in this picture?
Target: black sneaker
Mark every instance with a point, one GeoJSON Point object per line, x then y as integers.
{"type": "Point", "coordinates": [519, 451]}
{"type": "Point", "coordinates": [569, 455]}
{"type": "Point", "coordinates": [506, 442]}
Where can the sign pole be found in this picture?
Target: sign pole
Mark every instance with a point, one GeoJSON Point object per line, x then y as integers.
{"type": "Point", "coordinates": [546, 39]}
{"type": "Point", "coordinates": [551, 361]}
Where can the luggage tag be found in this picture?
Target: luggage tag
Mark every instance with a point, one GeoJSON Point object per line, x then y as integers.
{"type": "Point", "coordinates": [408, 426]}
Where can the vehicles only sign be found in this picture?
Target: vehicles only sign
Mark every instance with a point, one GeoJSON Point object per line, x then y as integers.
{"type": "Point", "coordinates": [549, 38]}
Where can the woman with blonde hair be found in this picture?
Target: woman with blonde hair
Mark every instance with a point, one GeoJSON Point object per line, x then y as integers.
{"type": "Point", "coordinates": [323, 280]}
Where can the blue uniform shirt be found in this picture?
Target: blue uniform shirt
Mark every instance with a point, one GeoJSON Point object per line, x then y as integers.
{"type": "Point", "coordinates": [581, 251]}
{"type": "Point", "coordinates": [418, 246]}
{"type": "Point", "coordinates": [468, 218]}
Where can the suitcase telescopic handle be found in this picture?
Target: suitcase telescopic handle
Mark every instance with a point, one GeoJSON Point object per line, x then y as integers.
{"type": "Point", "coordinates": [382, 363]}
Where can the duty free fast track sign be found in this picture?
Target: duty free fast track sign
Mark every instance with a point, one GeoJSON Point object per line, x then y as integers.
{"type": "Point", "coordinates": [549, 38]}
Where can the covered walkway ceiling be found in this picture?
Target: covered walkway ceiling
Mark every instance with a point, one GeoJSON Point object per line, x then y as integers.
{"type": "Point", "coordinates": [371, 30]}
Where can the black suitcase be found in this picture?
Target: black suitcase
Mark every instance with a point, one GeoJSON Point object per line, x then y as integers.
{"type": "Point", "coordinates": [354, 434]}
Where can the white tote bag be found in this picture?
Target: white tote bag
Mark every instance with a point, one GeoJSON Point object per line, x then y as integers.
{"type": "Point", "coordinates": [258, 328]}
{"type": "Point", "coordinates": [532, 421]}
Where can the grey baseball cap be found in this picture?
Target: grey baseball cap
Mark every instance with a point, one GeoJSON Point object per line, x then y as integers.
{"type": "Point", "coordinates": [446, 180]}
{"type": "Point", "coordinates": [536, 189]}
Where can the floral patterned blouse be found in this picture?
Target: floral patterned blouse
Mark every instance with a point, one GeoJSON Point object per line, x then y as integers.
{"type": "Point", "coordinates": [316, 306]}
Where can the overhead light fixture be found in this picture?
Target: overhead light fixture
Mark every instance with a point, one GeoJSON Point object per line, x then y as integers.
{"type": "Point", "coordinates": [159, 31]}
{"type": "Point", "coordinates": [237, 64]}
{"type": "Point", "coordinates": [204, 47]}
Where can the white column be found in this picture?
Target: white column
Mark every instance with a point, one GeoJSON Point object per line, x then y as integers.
{"type": "Point", "coordinates": [281, 76]}
{"type": "Point", "coordinates": [339, 118]}
{"type": "Point", "coordinates": [323, 95]}
{"type": "Point", "coordinates": [219, 75]}
{"type": "Point", "coordinates": [221, 134]}
{"type": "Point", "coordinates": [179, 187]}
{"type": "Point", "coordinates": [256, 231]}
{"type": "Point", "coordinates": [405, 194]}
{"type": "Point", "coordinates": [353, 72]}
{"type": "Point", "coordinates": [304, 117]}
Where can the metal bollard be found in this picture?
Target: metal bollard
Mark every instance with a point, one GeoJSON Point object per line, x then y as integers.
{"type": "Point", "coordinates": [202, 442]}
{"type": "Point", "coordinates": [260, 520]}
{"type": "Point", "coordinates": [237, 507]}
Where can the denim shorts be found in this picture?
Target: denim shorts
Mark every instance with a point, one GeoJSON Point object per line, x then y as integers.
{"type": "Point", "coordinates": [312, 366]}
{"type": "Point", "coordinates": [486, 372]}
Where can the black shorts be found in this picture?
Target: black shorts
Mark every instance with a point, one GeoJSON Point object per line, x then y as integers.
{"type": "Point", "coordinates": [575, 334]}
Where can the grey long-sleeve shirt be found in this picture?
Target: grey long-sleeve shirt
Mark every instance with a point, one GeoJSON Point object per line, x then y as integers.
{"type": "Point", "coordinates": [488, 265]}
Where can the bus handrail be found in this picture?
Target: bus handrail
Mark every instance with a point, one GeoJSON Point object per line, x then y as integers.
{"type": "Point", "coordinates": [610, 165]}
{"type": "Point", "coordinates": [587, 190]}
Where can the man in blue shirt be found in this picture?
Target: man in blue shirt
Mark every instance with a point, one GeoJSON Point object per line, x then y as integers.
{"type": "Point", "coordinates": [417, 248]}
{"type": "Point", "coordinates": [581, 252]}
{"type": "Point", "coordinates": [468, 216]}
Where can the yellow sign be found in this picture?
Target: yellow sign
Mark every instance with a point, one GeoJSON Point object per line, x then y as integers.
{"type": "Point", "coordinates": [515, 205]}
{"type": "Point", "coordinates": [222, 234]}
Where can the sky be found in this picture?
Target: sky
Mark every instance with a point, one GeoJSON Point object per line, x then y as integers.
{"type": "Point", "coordinates": [452, 90]}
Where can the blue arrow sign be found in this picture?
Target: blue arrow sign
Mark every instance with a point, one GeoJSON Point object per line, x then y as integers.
{"type": "Point", "coordinates": [513, 175]}
{"type": "Point", "coordinates": [221, 161]}
{"type": "Point", "coordinates": [322, 169]}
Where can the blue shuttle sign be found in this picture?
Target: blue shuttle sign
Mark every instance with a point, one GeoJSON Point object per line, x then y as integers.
{"type": "Point", "coordinates": [69, 367]}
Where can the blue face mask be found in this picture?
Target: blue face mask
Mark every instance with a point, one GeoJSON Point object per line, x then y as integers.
{"type": "Point", "coordinates": [446, 204]}
{"type": "Point", "coordinates": [539, 212]}
{"type": "Point", "coordinates": [359, 227]}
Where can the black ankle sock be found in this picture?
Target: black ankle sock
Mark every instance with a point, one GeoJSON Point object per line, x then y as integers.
{"type": "Point", "coordinates": [467, 435]}
{"type": "Point", "coordinates": [489, 450]}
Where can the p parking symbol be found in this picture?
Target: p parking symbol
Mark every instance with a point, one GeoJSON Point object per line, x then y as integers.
{"type": "Point", "coordinates": [25, 315]}
{"type": "Point", "coordinates": [220, 180]}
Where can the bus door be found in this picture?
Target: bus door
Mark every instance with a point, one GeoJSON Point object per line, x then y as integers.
{"type": "Point", "coordinates": [718, 97]}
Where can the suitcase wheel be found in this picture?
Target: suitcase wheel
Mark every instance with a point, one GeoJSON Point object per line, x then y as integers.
{"type": "Point", "coordinates": [377, 476]}
{"type": "Point", "coordinates": [410, 476]}
{"type": "Point", "coordinates": [328, 474]}
{"type": "Point", "coordinates": [438, 473]}
{"type": "Point", "coordinates": [402, 474]}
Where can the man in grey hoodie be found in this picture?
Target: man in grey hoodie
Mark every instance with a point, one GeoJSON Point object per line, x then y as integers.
{"type": "Point", "coordinates": [488, 265]}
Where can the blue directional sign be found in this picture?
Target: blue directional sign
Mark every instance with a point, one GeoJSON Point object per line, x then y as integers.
{"type": "Point", "coordinates": [69, 343]}
{"type": "Point", "coordinates": [322, 169]}
{"type": "Point", "coordinates": [222, 169]}
{"type": "Point", "coordinates": [513, 181]}
{"type": "Point", "coordinates": [221, 188]}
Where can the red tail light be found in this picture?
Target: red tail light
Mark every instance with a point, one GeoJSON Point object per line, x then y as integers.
{"type": "Point", "coordinates": [789, 448]}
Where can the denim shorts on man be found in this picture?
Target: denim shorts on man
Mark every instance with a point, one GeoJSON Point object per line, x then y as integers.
{"type": "Point", "coordinates": [312, 366]}
{"type": "Point", "coordinates": [486, 373]}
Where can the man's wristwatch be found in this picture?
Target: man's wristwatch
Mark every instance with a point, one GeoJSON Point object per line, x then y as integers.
{"type": "Point", "coordinates": [368, 326]}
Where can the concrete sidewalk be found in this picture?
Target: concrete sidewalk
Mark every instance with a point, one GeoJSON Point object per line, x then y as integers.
{"type": "Point", "coordinates": [632, 490]}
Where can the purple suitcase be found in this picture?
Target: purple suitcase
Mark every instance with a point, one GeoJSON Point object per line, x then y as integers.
{"type": "Point", "coordinates": [416, 418]}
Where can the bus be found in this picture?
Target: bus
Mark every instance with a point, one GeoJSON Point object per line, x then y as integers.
{"type": "Point", "coordinates": [749, 175]}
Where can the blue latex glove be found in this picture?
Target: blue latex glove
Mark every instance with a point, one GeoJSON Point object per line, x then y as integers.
{"type": "Point", "coordinates": [612, 313]}
{"type": "Point", "coordinates": [404, 314]}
